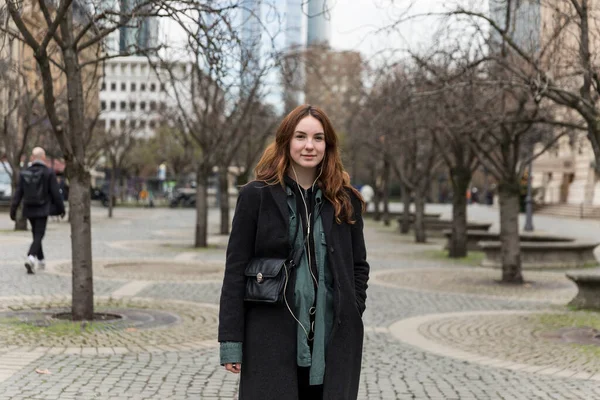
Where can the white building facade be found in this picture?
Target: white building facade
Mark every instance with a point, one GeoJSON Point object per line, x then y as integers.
{"type": "Point", "coordinates": [135, 97]}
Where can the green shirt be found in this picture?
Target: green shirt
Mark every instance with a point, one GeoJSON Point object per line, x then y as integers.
{"type": "Point", "coordinates": [304, 294]}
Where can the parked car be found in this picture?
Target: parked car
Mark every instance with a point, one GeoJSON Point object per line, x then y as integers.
{"type": "Point", "coordinates": [101, 194]}
{"type": "Point", "coordinates": [183, 197]}
{"type": "Point", "coordinates": [5, 184]}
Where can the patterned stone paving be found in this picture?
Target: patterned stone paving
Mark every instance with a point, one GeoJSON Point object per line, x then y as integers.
{"type": "Point", "coordinates": [542, 286]}
{"type": "Point", "coordinates": [479, 342]}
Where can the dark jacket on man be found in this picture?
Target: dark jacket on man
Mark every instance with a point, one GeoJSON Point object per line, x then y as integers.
{"type": "Point", "coordinates": [268, 332]}
{"type": "Point", "coordinates": [51, 191]}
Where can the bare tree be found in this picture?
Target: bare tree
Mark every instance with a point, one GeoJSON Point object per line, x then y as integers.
{"type": "Point", "coordinates": [404, 140]}
{"type": "Point", "coordinates": [65, 42]}
{"type": "Point", "coordinates": [452, 97]}
{"type": "Point", "coordinates": [552, 47]}
{"type": "Point", "coordinates": [260, 126]}
{"type": "Point", "coordinates": [225, 81]}
{"type": "Point", "coordinates": [118, 142]}
{"type": "Point", "coordinates": [512, 122]}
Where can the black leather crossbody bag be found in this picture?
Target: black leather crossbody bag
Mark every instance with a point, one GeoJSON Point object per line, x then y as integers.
{"type": "Point", "coordinates": [266, 278]}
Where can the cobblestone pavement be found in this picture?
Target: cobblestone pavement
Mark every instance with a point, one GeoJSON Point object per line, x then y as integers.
{"type": "Point", "coordinates": [423, 317]}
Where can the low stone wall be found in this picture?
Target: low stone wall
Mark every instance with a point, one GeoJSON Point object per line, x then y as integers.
{"type": "Point", "coordinates": [436, 228]}
{"type": "Point", "coordinates": [544, 255]}
{"type": "Point", "coordinates": [398, 215]}
{"type": "Point", "coordinates": [476, 236]}
{"type": "Point", "coordinates": [588, 284]}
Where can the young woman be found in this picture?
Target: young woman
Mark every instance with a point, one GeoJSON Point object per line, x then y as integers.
{"type": "Point", "coordinates": [309, 345]}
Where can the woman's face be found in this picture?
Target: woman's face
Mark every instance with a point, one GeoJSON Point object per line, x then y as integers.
{"type": "Point", "coordinates": [307, 147]}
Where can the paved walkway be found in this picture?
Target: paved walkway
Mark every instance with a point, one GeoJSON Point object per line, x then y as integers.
{"type": "Point", "coordinates": [433, 329]}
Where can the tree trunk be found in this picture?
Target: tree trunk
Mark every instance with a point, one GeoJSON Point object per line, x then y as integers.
{"type": "Point", "coordinates": [385, 186]}
{"type": "Point", "coordinates": [376, 202]}
{"type": "Point", "coordinates": [201, 208]}
{"type": "Point", "coordinates": [405, 223]}
{"type": "Point", "coordinates": [419, 224]}
{"type": "Point", "coordinates": [81, 243]}
{"type": "Point", "coordinates": [461, 177]}
{"type": "Point", "coordinates": [21, 222]}
{"type": "Point", "coordinates": [509, 232]}
{"type": "Point", "coordinates": [79, 196]}
{"type": "Point", "coordinates": [111, 192]}
{"type": "Point", "coordinates": [224, 199]}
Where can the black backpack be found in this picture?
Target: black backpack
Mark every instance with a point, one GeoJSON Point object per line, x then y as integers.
{"type": "Point", "coordinates": [34, 188]}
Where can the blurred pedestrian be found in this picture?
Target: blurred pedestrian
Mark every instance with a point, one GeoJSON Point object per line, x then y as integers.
{"type": "Point", "coordinates": [38, 190]}
{"type": "Point", "coordinates": [294, 330]}
{"type": "Point", "coordinates": [367, 194]}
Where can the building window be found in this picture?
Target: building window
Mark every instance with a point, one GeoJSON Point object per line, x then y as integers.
{"type": "Point", "coordinates": [152, 124]}
{"type": "Point", "coordinates": [123, 87]}
{"type": "Point", "coordinates": [113, 123]}
{"type": "Point", "coordinates": [143, 105]}
{"type": "Point", "coordinates": [152, 87]}
{"type": "Point", "coordinates": [123, 106]}
{"type": "Point", "coordinates": [152, 106]}
{"type": "Point", "coordinates": [113, 86]}
{"type": "Point", "coordinates": [122, 124]}
{"type": "Point", "coordinates": [143, 124]}
{"type": "Point", "coordinates": [162, 106]}
{"type": "Point", "coordinates": [103, 86]}
{"type": "Point", "coordinates": [143, 87]}
{"type": "Point", "coordinates": [132, 105]}
{"type": "Point", "coordinates": [103, 105]}
{"type": "Point", "coordinates": [132, 124]}
{"type": "Point", "coordinates": [113, 105]}
{"type": "Point", "coordinates": [133, 87]}
{"type": "Point", "coordinates": [162, 87]}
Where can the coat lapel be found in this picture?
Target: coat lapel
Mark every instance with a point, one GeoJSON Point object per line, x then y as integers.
{"type": "Point", "coordinates": [281, 200]}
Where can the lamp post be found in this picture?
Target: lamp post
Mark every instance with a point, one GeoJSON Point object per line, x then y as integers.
{"type": "Point", "coordinates": [528, 204]}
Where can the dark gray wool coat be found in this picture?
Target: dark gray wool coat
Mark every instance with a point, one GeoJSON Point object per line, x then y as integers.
{"type": "Point", "coordinates": [268, 332]}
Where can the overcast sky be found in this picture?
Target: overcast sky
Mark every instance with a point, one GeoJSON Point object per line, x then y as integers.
{"type": "Point", "coordinates": [357, 24]}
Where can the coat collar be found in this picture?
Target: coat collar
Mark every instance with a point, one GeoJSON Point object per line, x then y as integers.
{"type": "Point", "coordinates": [280, 196]}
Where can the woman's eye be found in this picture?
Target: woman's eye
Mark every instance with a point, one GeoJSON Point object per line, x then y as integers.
{"type": "Point", "coordinates": [319, 138]}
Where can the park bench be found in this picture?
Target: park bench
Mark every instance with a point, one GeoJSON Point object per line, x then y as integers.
{"type": "Point", "coordinates": [588, 285]}
{"type": "Point", "coordinates": [476, 236]}
{"type": "Point", "coordinates": [544, 255]}
{"type": "Point", "coordinates": [436, 228]}
{"type": "Point", "coordinates": [399, 214]}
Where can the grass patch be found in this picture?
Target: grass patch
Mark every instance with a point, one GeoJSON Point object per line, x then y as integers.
{"type": "Point", "coordinates": [573, 319]}
{"type": "Point", "coordinates": [473, 258]}
{"type": "Point", "coordinates": [12, 230]}
{"type": "Point", "coordinates": [53, 327]}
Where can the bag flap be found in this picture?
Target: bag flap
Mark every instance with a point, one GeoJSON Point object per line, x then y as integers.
{"type": "Point", "coordinates": [268, 267]}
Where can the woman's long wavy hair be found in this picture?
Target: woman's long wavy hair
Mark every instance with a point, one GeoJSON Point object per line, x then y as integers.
{"type": "Point", "coordinates": [334, 180]}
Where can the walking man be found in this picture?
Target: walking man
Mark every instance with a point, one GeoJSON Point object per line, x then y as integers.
{"type": "Point", "coordinates": [38, 189]}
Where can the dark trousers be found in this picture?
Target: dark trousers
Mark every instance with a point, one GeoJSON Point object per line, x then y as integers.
{"type": "Point", "coordinates": [305, 390]}
{"type": "Point", "coordinates": [38, 229]}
